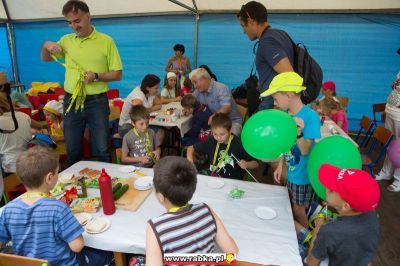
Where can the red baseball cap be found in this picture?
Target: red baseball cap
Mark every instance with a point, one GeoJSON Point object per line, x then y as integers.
{"type": "Point", "coordinates": [356, 187]}
{"type": "Point", "coordinates": [329, 85]}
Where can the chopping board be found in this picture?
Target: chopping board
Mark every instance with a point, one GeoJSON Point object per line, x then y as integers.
{"type": "Point", "coordinates": [133, 198]}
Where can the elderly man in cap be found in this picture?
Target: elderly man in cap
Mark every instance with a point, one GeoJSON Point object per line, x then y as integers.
{"type": "Point", "coordinates": [217, 97]}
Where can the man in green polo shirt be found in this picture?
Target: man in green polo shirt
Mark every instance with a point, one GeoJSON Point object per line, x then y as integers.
{"type": "Point", "coordinates": [94, 57]}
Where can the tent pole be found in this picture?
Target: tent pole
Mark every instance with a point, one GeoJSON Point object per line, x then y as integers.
{"type": "Point", "coordinates": [196, 34]}
{"type": "Point", "coordinates": [184, 6]}
{"type": "Point", "coordinates": [196, 38]}
{"type": "Point", "coordinates": [11, 46]}
{"type": "Point", "coordinates": [11, 42]}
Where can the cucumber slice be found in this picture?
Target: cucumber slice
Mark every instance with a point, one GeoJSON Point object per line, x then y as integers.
{"type": "Point", "coordinates": [121, 191]}
{"type": "Point", "coordinates": [116, 187]}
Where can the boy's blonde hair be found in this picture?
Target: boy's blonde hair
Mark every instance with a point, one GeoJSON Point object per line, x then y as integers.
{"type": "Point", "coordinates": [34, 164]}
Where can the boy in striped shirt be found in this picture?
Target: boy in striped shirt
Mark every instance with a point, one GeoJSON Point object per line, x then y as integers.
{"type": "Point", "coordinates": [184, 228]}
{"type": "Point", "coordinates": [39, 226]}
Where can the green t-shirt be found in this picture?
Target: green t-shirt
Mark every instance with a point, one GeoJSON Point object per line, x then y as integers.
{"type": "Point", "coordinates": [96, 53]}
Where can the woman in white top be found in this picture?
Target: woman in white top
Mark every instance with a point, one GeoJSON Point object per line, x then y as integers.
{"type": "Point", "coordinates": [169, 92]}
{"type": "Point", "coordinates": [145, 95]}
{"type": "Point", "coordinates": [14, 143]}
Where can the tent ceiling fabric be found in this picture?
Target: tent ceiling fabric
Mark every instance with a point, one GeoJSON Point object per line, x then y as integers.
{"type": "Point", "coordinates": [51, 9]}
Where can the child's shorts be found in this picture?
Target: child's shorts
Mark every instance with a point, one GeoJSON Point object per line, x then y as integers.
{"type": "Point", "coordinates": [301, 195]}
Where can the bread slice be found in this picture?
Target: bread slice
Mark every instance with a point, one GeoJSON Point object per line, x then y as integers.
{"type": "Point", "coordinates": [96, 225]}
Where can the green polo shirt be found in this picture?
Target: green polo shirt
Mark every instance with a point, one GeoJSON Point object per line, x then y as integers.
{"type": "Point", "coordinates": [96, 53]}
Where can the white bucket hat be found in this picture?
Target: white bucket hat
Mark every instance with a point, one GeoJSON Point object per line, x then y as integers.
{"type": "Point", "coordinates": [171, 75]}
{"type": "Point", "coordinates": [54, 107]}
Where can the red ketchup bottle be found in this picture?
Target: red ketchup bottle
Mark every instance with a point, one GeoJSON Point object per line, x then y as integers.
{"type": "Point", "coordinates": [107, 199]}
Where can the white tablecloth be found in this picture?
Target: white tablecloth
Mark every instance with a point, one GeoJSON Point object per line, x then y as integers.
{"type": "Point", "coordinates": [259, 241]}
{"type": "Point", "coordinates": [183, 122]}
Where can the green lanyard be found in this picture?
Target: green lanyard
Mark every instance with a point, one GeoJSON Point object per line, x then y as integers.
{"type": "Point", "coordinates": [29, 195]}
{"type": "Point", "coordinates": [147, 144]}
{"type": "Point", "coordinates": [79, 94]}
{"type": "Point", "coordinates": [223, 156]}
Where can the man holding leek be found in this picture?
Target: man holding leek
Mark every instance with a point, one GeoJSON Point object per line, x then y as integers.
{"type": "Point", "coordinates": [91, 61]}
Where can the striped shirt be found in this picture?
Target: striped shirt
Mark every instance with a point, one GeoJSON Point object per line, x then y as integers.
{"type": "Point", "coordinates": [191, 230]}
{"type": "Point", "coordinates": [41, 230]}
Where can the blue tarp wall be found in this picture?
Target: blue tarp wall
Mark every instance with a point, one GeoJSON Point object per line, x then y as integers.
{"type": "Point", "coordinates": [5, 60]}
{"type": "Point", "coordinates": [357, 51]}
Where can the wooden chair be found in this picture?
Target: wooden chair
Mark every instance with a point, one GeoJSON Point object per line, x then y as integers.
{"type": "Point", "coordinates": [11, 182]}
{"type": "Point", "coordinates": [13, 260]}
{"type": "Point", "coordinates": [379, 108]}
{"type": "Point", "coordinates": [382, 137]}
{"type": "Point", "coordinates": [367, 128]}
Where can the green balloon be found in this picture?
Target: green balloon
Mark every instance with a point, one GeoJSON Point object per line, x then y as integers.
{"type": "Point", "coordinates": [335, 150]}
{"type": "Point", "coordinates": [268, 134]}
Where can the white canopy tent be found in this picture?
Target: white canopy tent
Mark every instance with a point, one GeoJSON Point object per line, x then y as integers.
{"type": "Point", "coordinates": [51, 9]}
{"type": "Point", "coordinates": [12, 11]}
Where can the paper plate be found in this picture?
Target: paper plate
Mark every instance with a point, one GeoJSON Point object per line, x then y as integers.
{"type": "Point", "coordinates": [144, 183]}
{"type": "Point", "coordinates": [98, 219]}
{"type": "Point", "coordinates": [216, 183]}
{"type": "Point", "coordinates": [127, 169]}
{"type": "Point", "coordinates": [265, 213]}
{"type": "Point", "coordinates": [83, 217]}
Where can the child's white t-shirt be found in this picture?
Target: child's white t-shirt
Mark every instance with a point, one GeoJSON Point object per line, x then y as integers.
{"type": "Point", "coordinates": [168, 93]}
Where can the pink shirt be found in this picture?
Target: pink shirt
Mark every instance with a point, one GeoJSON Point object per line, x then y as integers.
{"type": "Point", "coordinates": [341, 116]}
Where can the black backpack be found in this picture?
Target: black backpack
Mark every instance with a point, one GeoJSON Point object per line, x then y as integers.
{"type": "Point", "coordinates": [306, 66]}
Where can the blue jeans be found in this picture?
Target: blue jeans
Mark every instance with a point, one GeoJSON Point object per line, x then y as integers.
{"type": "Point", "coordinates": [95, 115]}
{"type": "Point", "coordinates": [266, 103]}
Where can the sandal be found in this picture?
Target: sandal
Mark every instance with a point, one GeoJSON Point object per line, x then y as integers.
{"type": "Point", "coordinates": [394, 187]}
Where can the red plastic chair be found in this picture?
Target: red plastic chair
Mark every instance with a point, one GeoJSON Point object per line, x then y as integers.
{"type": "Point", "coordinates": [112, 93]}
{"type": "Point", "coordinates": [35, 101]}
{"type": "Point", "coordinates": [26, 110]}
{"type": "Point", "coordinates": [59, 91]}
{"type": "Point", "coordinates": [119, 104]}
{"type": "Point", "coordinates": [44, 98]}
